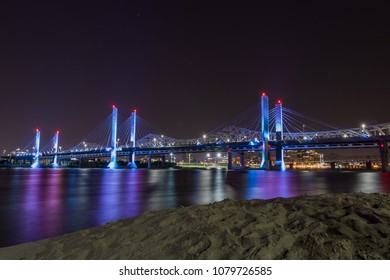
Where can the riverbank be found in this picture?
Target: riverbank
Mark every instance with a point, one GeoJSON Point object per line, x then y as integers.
{"type": "Point", "coordinates": [341, 226]}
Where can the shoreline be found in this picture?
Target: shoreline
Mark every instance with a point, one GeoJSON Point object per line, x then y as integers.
{"type": "Point", "coordinates": [326, 226]}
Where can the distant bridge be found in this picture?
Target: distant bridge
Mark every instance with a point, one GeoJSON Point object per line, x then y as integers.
{"type": "Point", "coordinates": [276, 130]}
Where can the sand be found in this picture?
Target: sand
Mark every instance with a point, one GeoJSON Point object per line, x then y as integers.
{"type": "Point", "coordinates": [341, 226]}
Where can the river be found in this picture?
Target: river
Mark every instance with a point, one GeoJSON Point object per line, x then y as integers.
{"type": "Point", "coordinates": [42, 203]}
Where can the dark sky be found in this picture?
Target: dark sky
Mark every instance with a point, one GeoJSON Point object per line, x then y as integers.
{"type": "Point", "coordinates": [188, 66]}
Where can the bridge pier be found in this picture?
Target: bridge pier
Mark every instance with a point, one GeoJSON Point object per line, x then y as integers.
{"type": "Point", "coordinates": [55, 160]}
{"type": "Point", "coordinates": [132, 139]}
{"type": "Point", "coordinates": [113, 164]}
{"type": "Point", "coordinates": [149, 160]}
{"type": "Point", "coordinates": [279, 163]}
{"type": "Point", "coordinates": [37, 141]}
{"type": "Point", "coordinates": [230, 160]}
{"type": "Point", "coordinates": [163, 161]}
{"type": "Point", "coordinates": [265, 164]}
{"type": "Point", "coordinates": [384, 151]}
{"type": "Point", "coordinates": [131, 163]}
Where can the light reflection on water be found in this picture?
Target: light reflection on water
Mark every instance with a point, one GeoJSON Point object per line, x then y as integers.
{"type": "Point", "coordinates": [40, 203]}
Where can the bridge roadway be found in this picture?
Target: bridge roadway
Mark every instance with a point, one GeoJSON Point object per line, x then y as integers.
{"type": "Point", "coordinates": [379, 142]}
{"type": "Point", "coordinates": [332, 143]}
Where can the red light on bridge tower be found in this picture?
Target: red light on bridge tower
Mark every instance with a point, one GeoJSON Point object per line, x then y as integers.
{"type": "Point", "coordinates": [113, 106]}
{"type": "Point", "coordinates": [263, 94]}
{"type": "Point", "coordinates": [135, 110]}
{"type": "Point", "coordinates": [279, 101]}
{"type": "Point", "coordinates": [37, 130]}
{"type": "Point", "coordinates": [58, 132]}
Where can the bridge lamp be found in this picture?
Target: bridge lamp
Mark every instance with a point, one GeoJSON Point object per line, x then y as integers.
{"type": "Point", "coordinates": [204, 136]}
{"type": "Point", "coordinates": [208, 155]}
{"type": "Point", "coordinates": [219, 155]}
{"type": "Point", "coordinates": [363, 127]}
{"type": "Point", "coordinates": [154, 139]}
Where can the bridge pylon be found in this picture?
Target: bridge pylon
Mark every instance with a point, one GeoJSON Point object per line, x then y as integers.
{"type": "Point", "coordinates": [113, 164]}
{"type": "Point", "coordinates": [265, 163]}
{"type": "Point", "coordinates": [279, 163]}
{"type": "Point", "coordinates": [36, 156]}
{"type": "Point", "coordinates": [132, 138]}
{"type": "Point", "coordinates": [55, 160]}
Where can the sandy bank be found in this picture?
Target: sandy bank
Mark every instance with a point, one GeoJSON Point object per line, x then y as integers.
{"type": "Point", "coordinates": [342, 226]}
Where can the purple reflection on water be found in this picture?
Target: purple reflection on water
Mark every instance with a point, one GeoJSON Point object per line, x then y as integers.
{"type": "Point", "coordinates": [40, 211]}
{"type": "Point", "coordinates": [133, 183]}
{"type": "Point", "coordinates": [109, 196]}
{"type": "Point", "coordinates": [261, 184]}
{"type": "Point", "coordinates": [119, 195]}
{"type": "Point", "coordinates": [53, 206]}
{"type": "Point", "coordinates": [29, 214]}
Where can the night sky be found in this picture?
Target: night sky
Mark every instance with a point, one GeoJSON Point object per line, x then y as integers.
{"type": "Point", "coordinates": [188, 66]}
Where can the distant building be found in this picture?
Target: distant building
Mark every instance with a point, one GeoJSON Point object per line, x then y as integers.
{"type": "Point", "coordinates": [302, 156]}
{"type": "Point", "coordinates": [189, 158]}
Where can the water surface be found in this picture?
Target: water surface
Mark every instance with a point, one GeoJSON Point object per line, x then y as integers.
{"type": "Point", "coordinates": [41, 203]}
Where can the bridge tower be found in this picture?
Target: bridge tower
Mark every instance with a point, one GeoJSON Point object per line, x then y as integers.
{"type": "Point", "coordinates": [113, 164]}
{"type": "Point", "coordinates": [279, 164]}
{"type": "Point", "coordinates": [132, 138]}
{"type": "Point", "coordinates": [265, 132]}
{"type": "Point", "coordinates": [37, 142]}
{"type": "Point", "coordinates": [55, 160]}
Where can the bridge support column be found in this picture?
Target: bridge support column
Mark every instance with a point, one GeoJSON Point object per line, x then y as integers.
{"type": "Point", "coordinates": [279, 164]}
{"type": "Point", "coordinates": [384, 150]}
{"type": "Point", "coordinates": [163, 160]}
{"type": "Point", "coordinates": [113, 164]}
{"type": "Point", "coordinates": [149, 160]}
{"type": "Point", "coordinates": [55, 160]}
{"type": "Point", "coordinates": [265, 132]}
{"type": "Point", "coordinates": [230, 160]}
{"type": "Point", "coordinates": [132, 139]}
{"type": "Point", "coordinates": [37, 142]}
{"type": "Point", "coordinates": [242, 160]}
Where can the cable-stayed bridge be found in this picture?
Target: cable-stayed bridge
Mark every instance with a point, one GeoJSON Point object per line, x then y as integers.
{"type": "Point", "coordinates": [257, 129]}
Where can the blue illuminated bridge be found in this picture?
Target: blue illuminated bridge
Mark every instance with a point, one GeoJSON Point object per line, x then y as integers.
{"type": "Point", "coordinates": [258, 129]}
